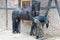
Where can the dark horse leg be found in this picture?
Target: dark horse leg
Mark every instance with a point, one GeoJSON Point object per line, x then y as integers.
{"type": "Point", "coordinates": [16, 27]}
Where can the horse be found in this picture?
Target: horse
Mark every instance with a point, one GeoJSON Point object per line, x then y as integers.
{"type": "Point", "coordinates": [24, 14]}
{"type": "Point", "coordinates": [39, 22]}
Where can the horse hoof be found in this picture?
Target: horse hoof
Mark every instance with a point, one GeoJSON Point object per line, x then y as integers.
{"type": "Point", "coordinates": [41, 38]}
{"type": "Point", "coordinates": [30, 34]}
{"type": "Point", "coordinates": [37, 37]}
{"type": "Point", "coordinates": [14, 32]}
{"type": "Point", "coordinates": [17, 32]}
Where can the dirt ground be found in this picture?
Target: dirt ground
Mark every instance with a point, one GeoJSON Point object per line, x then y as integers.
{"type": "Point", "coordinates": [8, 35]}
{"type": "Point", "coordinates": [24, 35]}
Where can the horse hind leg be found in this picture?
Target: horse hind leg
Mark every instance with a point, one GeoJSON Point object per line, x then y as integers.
{"type": "Point", "coordinates": [18, 25]}
{"type": "Point", "coordinates": [14, 26]}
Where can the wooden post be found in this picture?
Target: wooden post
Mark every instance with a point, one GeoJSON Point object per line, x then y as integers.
{"type": "Point", "coordinates": [6, 16]}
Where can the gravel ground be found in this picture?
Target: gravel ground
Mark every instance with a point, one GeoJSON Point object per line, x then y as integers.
{"type": "Point", "coordinates": [24, 35]}
{"type": "Point", "coordinates": [8, 35]}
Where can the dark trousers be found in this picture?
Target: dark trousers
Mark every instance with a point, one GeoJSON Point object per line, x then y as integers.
{"type": "Point", "coordinates": [33, 27]}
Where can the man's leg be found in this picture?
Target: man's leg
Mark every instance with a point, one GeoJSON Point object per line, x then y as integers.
{"type": "Point", "coordinates": [33, 27]}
